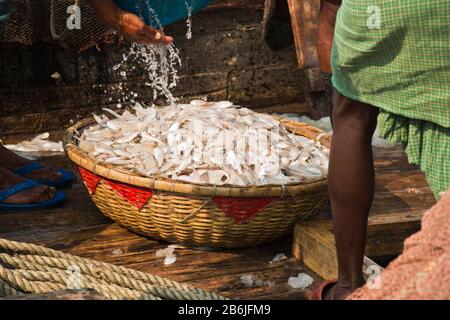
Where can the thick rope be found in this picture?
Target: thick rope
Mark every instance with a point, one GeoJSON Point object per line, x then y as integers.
{"type": "Point", "coordinates": [8, 290]}
{"type": "Point", "coordinates": [27, 268]}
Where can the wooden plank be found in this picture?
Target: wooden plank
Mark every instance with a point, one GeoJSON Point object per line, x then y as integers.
{"type": "Point", "coordinates": [315, 83]}
{"type": "Point", "coordinates": [314, 242]}
{"type": "Point", "coordinates": [276, 25]}
{"type": "Point", "coordinates": [314, 246]}
{"type": "Point", "coordinates": [79, 228]}
{"type": "Point", "coordinates": [304, 19]}
{"type": "Point", "coordinates": [269, 10]}
{"type": "Point", "coordinates": [84, 294]}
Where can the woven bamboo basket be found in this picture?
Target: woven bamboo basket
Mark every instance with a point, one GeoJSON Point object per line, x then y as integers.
{"type": "Point", "coordinates": [193, 214]}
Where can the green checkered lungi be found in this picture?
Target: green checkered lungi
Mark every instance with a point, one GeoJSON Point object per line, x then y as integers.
{"type": "Point", "coordinates": [395, 55]}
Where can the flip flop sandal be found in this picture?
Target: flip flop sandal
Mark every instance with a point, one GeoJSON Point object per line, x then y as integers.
{"type": "Point", "coordinates": [318, 291]}
{"type": "Point", "coordinates": [66, 176]}
{"type": "Point", "coordinates": [57, 200]}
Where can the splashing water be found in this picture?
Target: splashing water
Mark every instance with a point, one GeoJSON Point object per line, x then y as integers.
{"type": "Point", "coordinates": [189, 21]}
{"type": "Point", "coordinates": [152, 14]}
{"type": "Point", "coordinates": [159, 62]}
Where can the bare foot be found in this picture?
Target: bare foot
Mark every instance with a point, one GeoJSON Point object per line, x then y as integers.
{"type": "Point", "coordinates": [11, 161]}
{"type": "Point", "coordinates": [341, 291]}
{"type": "Point", "coordinates": [31, 196]}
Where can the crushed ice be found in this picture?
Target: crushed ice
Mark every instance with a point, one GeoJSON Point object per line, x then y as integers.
{"type": "Point", "coordinates": [117, 251]}
{"type": "Point", "coordinates": [249, 280]}
{"type": "Point", "coordinates": [279, 257]}
{"type": "Point", "coordinates": [168, 254]}
{"type": "Point", "coordinates": [56, 76]}
{"type": "Point", "coordinates": [302, 281]}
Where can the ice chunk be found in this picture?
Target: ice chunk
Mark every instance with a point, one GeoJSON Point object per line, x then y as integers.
{"type": "Point", "coordinates": [56, 76]}
{"type": "Point", "coordinates": [165, 252]}
{"type": "Point", "coordinates": [279, 257]}
{"type": "Point", "coordinates": [247, 280]}
{"type": "Point", "coordinates": [302, 281]}
{"type": "Point", "coordinates": [117, 251]}
{"type": "Point", "coordinates": [168, 254]}
{"type": "Point", "coordinates": [170, 259]}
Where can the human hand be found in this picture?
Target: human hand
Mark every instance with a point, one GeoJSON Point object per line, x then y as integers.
{"type": "Point", "coordinates": [133, 28]}
{"type": "Point", "coordinates": [128, 24]}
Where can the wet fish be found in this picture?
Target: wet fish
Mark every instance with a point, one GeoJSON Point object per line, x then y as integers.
{"type": "Point", "coordinates": [216, 143]}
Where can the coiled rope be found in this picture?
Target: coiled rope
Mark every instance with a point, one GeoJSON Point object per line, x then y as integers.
{"type": "Point", "coordinates": [31, 269]}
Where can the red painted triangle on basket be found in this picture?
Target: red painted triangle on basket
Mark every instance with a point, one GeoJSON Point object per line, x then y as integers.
{"type": "Point", "coordinates": [243, 209]}
{"type": "Point", "coordinates": [90, 179]}
{"type": "Point", "coordinates": [136, 196]}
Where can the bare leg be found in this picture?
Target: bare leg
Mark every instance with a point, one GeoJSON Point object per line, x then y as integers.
{"type": "Point", "coordinates": [351, 188]}
{"type": "Point", "coordinates": [11, 161]}
{"type": "Point", "coordinates": [36, 195]}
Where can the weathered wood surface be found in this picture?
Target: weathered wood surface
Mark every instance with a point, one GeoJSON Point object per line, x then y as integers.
{"type": "Point", "coordinates": [79, 228]}
{"type": "Point", "coordinates": [314, 243]}
{"type": "Point", "coordinates": [304, 17]}
{"type": "Point", "coordinates": [84, 294]}
{"type": "Point", "coordinates": [304, 21]}
{"type": "Point", "coordinates": [402, 196]}
{"type": "Point", "coordinates": [269, 10]}
{"type": "Point", "coordinates": [276, 27]}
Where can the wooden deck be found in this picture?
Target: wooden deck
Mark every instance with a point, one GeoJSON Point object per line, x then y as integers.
{"type": "Point", "coordinates": [79, 228]}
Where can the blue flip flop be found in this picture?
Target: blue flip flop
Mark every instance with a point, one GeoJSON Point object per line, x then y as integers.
{"type": "Point", "coordinates": [66, 176]}
{"type": "Point", "coordinates": [57, 200]}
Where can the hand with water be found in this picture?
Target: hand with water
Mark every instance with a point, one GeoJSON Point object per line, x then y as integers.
{"type": "Point", "coordinates": [134, 29]}
{"type": "Point", "coordinates": [128, 24]}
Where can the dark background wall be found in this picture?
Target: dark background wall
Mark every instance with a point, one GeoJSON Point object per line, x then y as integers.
{"type": "Point", "coordinates": [225, 59]}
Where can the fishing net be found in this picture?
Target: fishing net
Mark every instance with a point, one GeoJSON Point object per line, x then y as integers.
{"type": "Point", "coordinates": [45, 20]}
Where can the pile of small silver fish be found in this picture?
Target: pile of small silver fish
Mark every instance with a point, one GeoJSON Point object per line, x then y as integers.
{"type": "Point", "coordinates": [215, 143]}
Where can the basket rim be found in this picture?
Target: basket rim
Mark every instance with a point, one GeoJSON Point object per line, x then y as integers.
{"type": "Point", "coordinates": [107, 171]}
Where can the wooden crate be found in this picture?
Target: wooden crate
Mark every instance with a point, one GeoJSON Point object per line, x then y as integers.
{"type": "Point", "coordinates": [314, 243]}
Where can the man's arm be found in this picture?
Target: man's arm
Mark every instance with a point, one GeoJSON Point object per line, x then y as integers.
{"type": "Point", "coordinates": [127, 23]}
